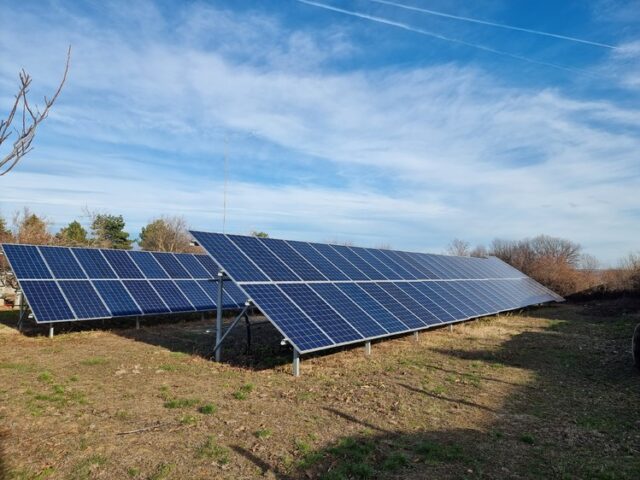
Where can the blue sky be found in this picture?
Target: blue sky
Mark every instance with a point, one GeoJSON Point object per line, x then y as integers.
{"type": "Point", "coordinates": [340, 127]}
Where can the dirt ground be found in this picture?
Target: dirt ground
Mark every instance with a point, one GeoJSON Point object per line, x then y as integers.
{"type": "Point", "coordinates": [548, 393]}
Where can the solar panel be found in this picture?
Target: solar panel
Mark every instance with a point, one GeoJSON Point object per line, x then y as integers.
{"type": "Point", "coordinates": [148, 265]}
{"type": "Point", "coordinates": [122, 264]}
{"type": "Point", "coordinates": [321, 296]}
{"type": "Point", "coordinates": [69, 284]}
{"type": "Point", "coordinates": [93, 262]}
{"type": "Point", "coordinates": [117, 298]}
{"type": "Point", "coordinates": [46, 300]}
{"type": "Point", "coordinates": [84, 299]}
{"type": "Point", "coordinates": [171, 265]}
{"type": "Point", "coordinates": [62, 263]}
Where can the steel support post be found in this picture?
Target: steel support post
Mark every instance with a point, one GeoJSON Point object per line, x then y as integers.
{"type": "Point", "coordinates": [248, 323]}
{"type": "Point", "coordinates": [22, 311]}
{"type": "Point", "coordinates": [216, 349]}
{"type": "Point", "coordinates": [51, 330]}
{"type": "Point", "coordinates": [296, 363]}
{"type": "Point", "coordinates": [416, 336]}
{"type": "Point", "coordinates": [451, 328]}
{"type": "Point", "coordinates": [367, 348]}
{"type": "Point", "coordinates": [137, 323]}
{"type": "Point", "coordinates": [219, 315]}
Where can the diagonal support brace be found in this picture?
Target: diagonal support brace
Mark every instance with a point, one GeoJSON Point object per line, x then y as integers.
{"type": "Point", "coordinates": [228, 331]}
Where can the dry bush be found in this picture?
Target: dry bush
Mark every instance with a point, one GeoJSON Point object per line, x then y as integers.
{"type": "Point", "coordinates": [167, 234]}
{"type": "Point", "coordinates": [549, 260]}
{"type": "Point", "coordinates": [625, 278]}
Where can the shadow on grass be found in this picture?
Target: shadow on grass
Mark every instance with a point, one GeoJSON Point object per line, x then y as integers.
{"type": "Point", "coordinates": [578, 418]}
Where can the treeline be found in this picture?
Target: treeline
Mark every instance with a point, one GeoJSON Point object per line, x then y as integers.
{"type": "Point", "coordinates": [559, 264]}
{"type": "Point", "coordinates": [165, 234]}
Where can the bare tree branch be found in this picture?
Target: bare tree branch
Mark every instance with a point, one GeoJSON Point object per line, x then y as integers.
{"type": "Point", "coordinates": [22, 145]}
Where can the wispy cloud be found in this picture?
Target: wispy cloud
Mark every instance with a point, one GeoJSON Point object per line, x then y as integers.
{"type": "Point", "coordinates": [406, 155]}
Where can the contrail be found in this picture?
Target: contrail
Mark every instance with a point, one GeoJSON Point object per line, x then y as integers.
{"type": "Point", "coordinates": [428, 33]}
{"type": "Point", "coordinates": [493, 24]}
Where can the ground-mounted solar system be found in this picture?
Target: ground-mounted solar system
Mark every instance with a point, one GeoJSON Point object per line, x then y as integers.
{"type": "Point", "coordinates": [63, 284]}
{"type": "Point", "coordinates": [322, 296]}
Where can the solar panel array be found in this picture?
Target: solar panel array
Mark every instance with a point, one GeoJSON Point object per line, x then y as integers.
{"type": "Point", "coordinates": [68, 284]}
{"type": "Point", "coordinates": [321, 296]}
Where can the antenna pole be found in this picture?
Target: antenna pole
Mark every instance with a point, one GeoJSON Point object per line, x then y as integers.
{"type": "Point", "coordinates": [224, 195]}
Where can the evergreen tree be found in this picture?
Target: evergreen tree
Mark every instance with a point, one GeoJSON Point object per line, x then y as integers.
{"type": "Point", "coordinates": [108, 232]}
{"type": "Point", "coordinates": [73, 235]}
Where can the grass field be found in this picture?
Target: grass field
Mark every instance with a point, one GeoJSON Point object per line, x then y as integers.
{"type": "Point", "coordinates": [549, 393]}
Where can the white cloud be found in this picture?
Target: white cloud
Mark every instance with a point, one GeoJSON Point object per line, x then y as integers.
{"type": "Point", "coordinates": [476, 157]}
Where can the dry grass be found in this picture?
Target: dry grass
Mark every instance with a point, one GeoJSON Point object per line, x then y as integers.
{"type": "Point", "coordinates": [547, 394]}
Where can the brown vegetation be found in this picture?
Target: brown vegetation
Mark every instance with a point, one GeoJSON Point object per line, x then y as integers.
{"type": "Point", "coordinates": [550, 393]}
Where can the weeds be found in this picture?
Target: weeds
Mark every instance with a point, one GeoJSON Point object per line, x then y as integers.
{"type": "Point", "coordinates": [208, 409]}
{"type": "Point", "coordinates": [211, 450]}
{"type": "Point", "coordinates": [181, 403]}
{"type": "Point", "coordinates": [263, 433]}
{"type": "Point", "coordinates": [436, 452]}
{"type": "Point", "coordinates": [243, 392]}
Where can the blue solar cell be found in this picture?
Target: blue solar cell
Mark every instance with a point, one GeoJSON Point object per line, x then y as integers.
{"type": "Point", "coordinates": [336, 327]}
{"type": "Point", "coordinates": [237, 296]}
{"type": "Point", "coordinates": [479, 307]}
{"type": "Point", "coordinates": [339, 261]}
{"type": "Point", "coordinates": [497, 299]}
{"type": "Point", "coordinates": [358, 317]}
{"type": "Point", "coordinates": [446, 305]}
{"type": "Point", "coordinates": [383, 316]}
{"type": "Point", "coordinates": [429, 303]}
{"type": "Point", "coordinates": [413, 260]}
{"type": "Point", "coordinates": [263, 258]}
{"type": "Point", "coordinates": [382, 267]}
{"type": "Point", "coordinates": [293, 259]}
{"type": "Point", "coordinates": [428, 262]}
{"type": "Point", "coordinates": [172, 296]}
{"type": "Point", "coordinates": [26, 261]}
{"type": "Point", "coordinates": [359, 263]}
{"type": "Point", "coordinates": [121, 263]}
{"type": "Point", "coordinates": [192, 265]}
{"type": "Point", "coordinates": [210, 266]}
{"type": "Point", "coordinates": [236, 264]}
{"type": "Point", "coordinates": [444, 290]}
{"type": "Point", "coordinates": [148, 265]}
{"type": "Point", "coordinates": [93, 263]}
{"type": "Point", "coordinates": [435, 263]}
{"type": "Point", "coordinates": [232, 296]}
{"type": "Point", "coordinates": [476, 287]}
{"type": "Point", "coordinates": [196, 295]}
{"type": "Point", "coordinates": [83, 299]}
{"type": "Point", "coordinates": [288, 318]}
{"type": "Point", "coordinates": [62, 263]}
{"type": "Point", "coordinates": [403, 273]}
{"type": "Point", "coordinates": [171, 265]}
{"type": "Point", "coordinates": [412, 271]}
{"type": "Point", "coordinates": [145, 296]}
{"type": "Point", "coordinates": [324, 266]}
{"type": "Point", "coordinates": [117, 298]}
{"type": "Point", "coordinates": [46, 301]}
{"type": "Point", "coordinates": [423, 313]}
{"type": "Point", "coordinates": [396, 308]}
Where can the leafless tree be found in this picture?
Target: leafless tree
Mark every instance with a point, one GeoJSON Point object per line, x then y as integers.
{"type": "Point", "coordinates": [459, 247]}
{"type": "Point", "coordinates": [479, 251]}
{"type": "Point", "coordinates": [31, 118]}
